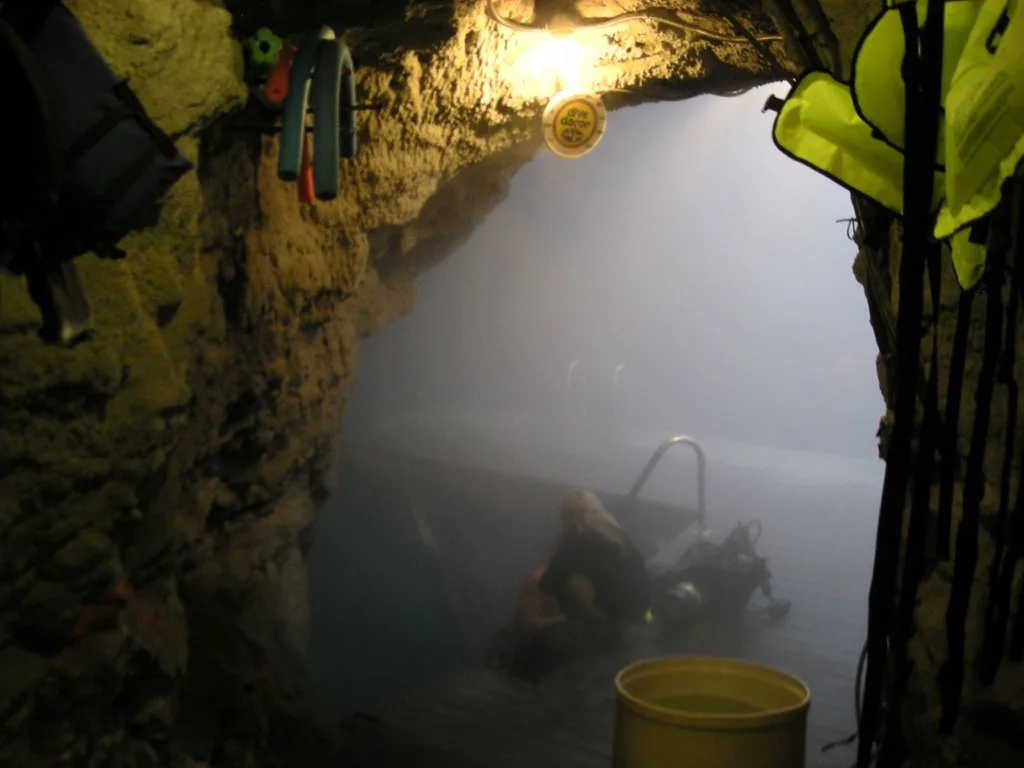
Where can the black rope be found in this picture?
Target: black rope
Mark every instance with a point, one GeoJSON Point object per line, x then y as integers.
{"type": "Point", "coordinates": [921, 130]}
{"type": "Point", "coordinates": [852, 228]}
{"type": "Point", "coordinates": [1016, 652]}
{"type": "Point", "coordinates": [951, 676]}
{"type": "Point", "coordinates": [868, 240]}
{"type": "Point", "coordinates": [950, 452]}
{"type": "Point", "coordinates": [1004, 562]}
{"type": "Point", "coordinates": [917, 528]}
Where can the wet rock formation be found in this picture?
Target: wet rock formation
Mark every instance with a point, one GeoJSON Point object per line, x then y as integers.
{"type": "Point", "coordinates": [158, 483]}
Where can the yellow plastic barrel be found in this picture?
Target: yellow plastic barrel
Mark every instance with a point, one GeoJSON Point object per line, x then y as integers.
{"type": "Point", "coordinates": [696, 712]}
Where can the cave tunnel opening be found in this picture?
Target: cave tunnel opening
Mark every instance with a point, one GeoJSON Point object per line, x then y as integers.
{"type": "Point", "coordinates": [698, 282]}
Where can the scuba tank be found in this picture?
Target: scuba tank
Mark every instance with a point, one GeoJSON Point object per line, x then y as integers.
{"type": "Point", "coordinates": [714, 579]}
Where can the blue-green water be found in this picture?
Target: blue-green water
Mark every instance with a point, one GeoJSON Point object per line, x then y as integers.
{"type": "Point", "coordinates": [379, 623]}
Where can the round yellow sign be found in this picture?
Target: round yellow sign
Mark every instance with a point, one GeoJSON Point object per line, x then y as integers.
{"type": "Point", "coordinates": [574, 123]}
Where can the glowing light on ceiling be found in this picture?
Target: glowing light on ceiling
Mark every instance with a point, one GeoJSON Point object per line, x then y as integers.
{"type": "Point", "coordinates": [546, 63]}
{"type": "Point", "coordinates": [547, 54]}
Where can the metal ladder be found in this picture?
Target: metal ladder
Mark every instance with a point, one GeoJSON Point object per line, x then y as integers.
{"type": "Point", "coordinates": [575, 405]}
{"type": "Point", "coordinates": [622, 400]}
{"type": "Point", "coordinates": [575, 394]}
{"type": "Point", "coordinates": [576, 409]}
{"type": "Point", "coordinates": [677, 546]}
{"type": "Point", "coordinates": [671, 553]}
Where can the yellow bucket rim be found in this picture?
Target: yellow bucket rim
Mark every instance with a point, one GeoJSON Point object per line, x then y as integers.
{"type": "Point", "coordinates": [751, 721]}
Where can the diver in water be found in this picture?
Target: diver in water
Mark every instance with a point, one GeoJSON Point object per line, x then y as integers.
{"type": "Point", "coordinates": [596, 573]}
{"type": "Point", "coordinates": [595, 585]}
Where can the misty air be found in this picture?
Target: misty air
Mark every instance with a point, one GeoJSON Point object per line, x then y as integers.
{"type": "Point", "coordinates": [504, 383]}
{"type": "Point", "coordinates": [703, 290]}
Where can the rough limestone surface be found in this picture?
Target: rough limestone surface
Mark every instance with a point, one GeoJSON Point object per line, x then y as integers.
{"type": "Point", "coordinates": [157, 484]}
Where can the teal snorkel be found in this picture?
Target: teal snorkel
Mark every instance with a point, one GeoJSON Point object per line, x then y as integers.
{"type": "Point", "coordinates": [323, 64]}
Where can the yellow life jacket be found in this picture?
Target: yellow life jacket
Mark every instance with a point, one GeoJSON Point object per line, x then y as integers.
{"type": "Point", "coordinates": [819, 127]}
{"type": "Point", "coordinates": [968, 258]}
{"type": "Point", "coordinates": [876, 81]}
{"type": "Point", "coordinates": [984, 116]}
{"type": "Point", "coordinates": [854, 133]}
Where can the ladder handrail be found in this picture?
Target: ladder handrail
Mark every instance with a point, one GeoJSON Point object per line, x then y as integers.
{"type": "Point", "coordinates": [570, 402]}
{"type": "Point", "coordinates": [621, 401]}
{"type": "Point", "coordinates": [661, 450]}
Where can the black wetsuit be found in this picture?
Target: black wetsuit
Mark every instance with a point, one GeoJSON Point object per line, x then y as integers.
{"type": "Point", "coordinates": [622, 589]}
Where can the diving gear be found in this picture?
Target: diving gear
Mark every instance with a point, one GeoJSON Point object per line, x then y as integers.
{"type": "Point", "coordinates": [323, 65]}
{"type": "Point", "coordinates": [94, 166]}
{"type": "Point", "coordinates": [715, 578]}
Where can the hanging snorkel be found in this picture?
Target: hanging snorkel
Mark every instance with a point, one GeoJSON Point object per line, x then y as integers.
{"type": "Point", "coordinates": [289, 80]}
{"type": "Point", "coordinates": [323, 65]}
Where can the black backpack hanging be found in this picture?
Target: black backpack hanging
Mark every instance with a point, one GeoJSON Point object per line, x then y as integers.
{"type": "Point", "coordinates": [88, 165]}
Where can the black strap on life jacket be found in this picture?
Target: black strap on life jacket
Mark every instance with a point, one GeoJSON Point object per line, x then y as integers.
{"type": "Point", "coordinates": [873, 233]}
{"type": "Point", "coordinates": [917, 528]}
{"type": "Point", "coordinates": [954, 393]}
{"type": "Point", "coordinates": [951, 676]}
{"type": "Point", "coordinates": [915, 557]}
{"type": "Point", "coordinates": [950, 454]}
{"type": "Point", "coordinates": [922, 76]}
{"type": "Point", "coordinates": [1004, 561]}
{"type": "Point", "coordinates": [1016, 651]}
{"type": "Point", "coordinates": [1015, 551]}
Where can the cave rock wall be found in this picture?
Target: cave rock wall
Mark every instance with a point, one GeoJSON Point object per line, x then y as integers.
{"type": "Point", "coordinates": [158, 483]}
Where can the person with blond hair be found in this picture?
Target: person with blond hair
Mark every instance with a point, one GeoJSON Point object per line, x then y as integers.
{"type": "Point", "coordinates": [594, 585]}
{"type": "Point", "coordinates": [596, 572]}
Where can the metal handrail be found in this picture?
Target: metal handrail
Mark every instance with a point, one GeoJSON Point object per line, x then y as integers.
{"type": "Point", "coordinates": [653, 462]}
{"type": "Point", "coordinates": [574, 367]}
{"type": "Point", "coordinates": [619, 395]}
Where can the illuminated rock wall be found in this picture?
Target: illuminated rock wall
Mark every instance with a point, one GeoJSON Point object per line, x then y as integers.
{"type": "Point", "coordinates": [158, 483]}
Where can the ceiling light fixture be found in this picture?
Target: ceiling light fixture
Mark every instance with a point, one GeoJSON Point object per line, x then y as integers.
{"type": "Point", "coordinates": [562, 61]}
{"type": "Point", "coordinates": [565, 56]}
